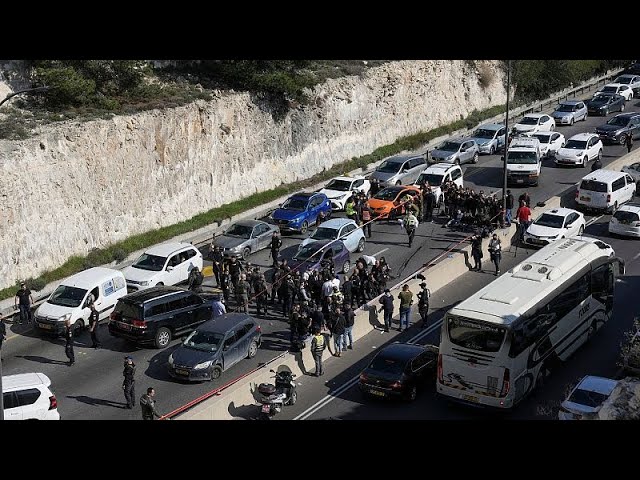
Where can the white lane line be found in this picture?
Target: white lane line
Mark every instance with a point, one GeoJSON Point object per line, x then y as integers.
{"type": "Point", "coordinates": [594, 220]}
{"type": "Point", "coordinates": [381, 251]}
{"type": "Point", "coordinates": [331, 396]}
{"type": "Point", "coordinates": [636, 256]}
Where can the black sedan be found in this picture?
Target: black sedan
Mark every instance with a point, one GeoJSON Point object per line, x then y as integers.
{"type": "Point", "coordinates": [398, 369]}
{"type": "Point", "coordinates": [605, 103]}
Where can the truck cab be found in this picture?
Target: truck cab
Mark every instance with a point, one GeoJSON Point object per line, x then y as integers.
{"type": "Point", "coordinates": [524, 161]}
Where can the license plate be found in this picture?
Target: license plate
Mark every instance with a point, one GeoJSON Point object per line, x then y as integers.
{"type": "Point", "coordinates": [519, 180]}
{"type": "Point", "coordinates": [266, 408]}
{"type": "Point", "coordinates": [124, 326]}
{"type": "Point", "coordinates": [182, 372]}
{"type": "Point", "coordinates": [471, 398]}
{"type": "Point", "coordinates": [46, 326]}
{"type": "Point", "coordinates": [377, 393]}
{"type": "Point", "coordinates": [585, 199]}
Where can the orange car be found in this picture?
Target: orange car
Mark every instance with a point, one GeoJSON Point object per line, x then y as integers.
{"type": "Point", "coordinates": [386, 203]}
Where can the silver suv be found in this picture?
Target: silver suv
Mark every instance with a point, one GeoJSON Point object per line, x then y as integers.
{"type": "Point", "coordinates": [569, 112]}
{"type": "Point", "coordinates": [456, 151]}
{"type": "Point", "coordinates": [399, 170]}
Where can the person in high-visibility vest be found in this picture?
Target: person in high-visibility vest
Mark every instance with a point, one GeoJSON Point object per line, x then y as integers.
{"type": "Point", "coordinates": [318, 344]}
{"type": "Point", "coordinates": [350, 209]}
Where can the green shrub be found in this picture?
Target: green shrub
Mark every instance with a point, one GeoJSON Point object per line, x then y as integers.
{"type": "Point", "coordinates": [35, 284]}
{"type": "Point", "coordinates": [118, 254]}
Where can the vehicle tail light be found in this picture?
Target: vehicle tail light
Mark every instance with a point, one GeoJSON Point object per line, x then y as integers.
{"type": "Point", "coordinates": [396, 385]}
{"type": "Point", "coordinates": [577, 193]}
{"type": "Point", "coordinates": [363, 377]}
{"type": "Point", "coordinates": [440, 377]}
{"type": "Point", "coordinates": [259, 329]}
{"type": "Point", "coordinates": [139, 323]}
{"type": "Point", "coordinates": [608, 198]}
{"type": "Point", "coordinates": [53, 403]}
{"type": "Point", "coordinates": [506, 383]}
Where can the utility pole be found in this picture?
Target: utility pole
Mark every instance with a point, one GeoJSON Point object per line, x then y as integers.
{"type": "Point", "coordinates": [506, 145]}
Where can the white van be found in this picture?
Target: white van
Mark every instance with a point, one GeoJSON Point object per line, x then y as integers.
{"type": "Point", "coordinates": [605, 190]}
{"type": "Point", "coordinates": [437, 175]}
{"type": "Point", "coordinates": [74, 295]}
{"type": "Point", "coordinates": [27, 397]}
{"type": "Point", "coordinates": [524, 161]}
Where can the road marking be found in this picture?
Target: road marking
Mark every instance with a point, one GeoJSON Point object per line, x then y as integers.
{"type": "Point", "coordinates": [381, 251]}
{"type": "Point", "coordinates": [331, 396]}
{"type": "Point", "coordinates": [637, 255]}
{"type": "Point", "coordinates": [594, 220]}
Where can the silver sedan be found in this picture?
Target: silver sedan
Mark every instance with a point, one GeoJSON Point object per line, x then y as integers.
{"type": "Point", "coordinates": [245, 237]}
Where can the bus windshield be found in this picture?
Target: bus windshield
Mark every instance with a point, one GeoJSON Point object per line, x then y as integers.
{"type": "Point", "coordinates": [478, 336]}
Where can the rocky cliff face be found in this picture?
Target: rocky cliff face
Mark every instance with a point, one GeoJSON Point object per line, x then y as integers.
{"type": "Point", "coordinates": [76, 186]}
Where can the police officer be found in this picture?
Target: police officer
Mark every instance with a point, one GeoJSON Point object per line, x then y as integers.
{"type": "Point", "coordinates": [276, 243]}
{"type": "Point", "coordinates": [148, 405]}
{"type": "Point", "coordinates": [129, 383]}
{"type": "Point", "coordinates": [68, 347]}
{"type": "Point", "coordinates": [94, 318]}
{"type": "Point", "coordinates": [423, 303]}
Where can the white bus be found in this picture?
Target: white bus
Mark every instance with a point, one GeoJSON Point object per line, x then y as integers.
{"type": "Point", "coordinates": [500, 343]}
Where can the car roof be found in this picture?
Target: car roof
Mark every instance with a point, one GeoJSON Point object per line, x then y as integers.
{"type": "Point", "coordinates": [347, 179]}
{"type": "Point", "coordinates": [90, 276]}
{"type": "Point", "coordinates": [570, 102]}
{"type": "Point", "coordinates": [491, 126]}
{"type": "Point", "coordinates": [630, 207]}
{"type": "Point", "coordinates": [603, 175]}
{"type": "Point", "coordinates": [457, 140]}
{"type": "Point", "coordinates": [442, 167]}
{"type": "Point", "coordinates": [24, 380]}
{"type": "Point", "coordinates": [166, 249]}
{"type": "Point", "coordinates": [583, 136]}
{"type": "Point", "coordinates": [152, 293]}
{"type": "Point", "coordinates": [394, 188]}
{"type": "Point", "coordinates": [323, 243]}
{"type": "Point", "coordinates": [535, 115]}
{"type": "Point", "coordinates": [225, 322]}
{"type": "Point", "coordinates": [561, 211]}
{"type": "Point", "coordinates": [624, 75]}
{"type": "Point", "coordinates": [305, 195]}
{"type": "Point", "coordinates": [336, 223]}
{"type": "Point", "coordinates": [402, 351]}
{"type": "Point", "coordinates": [627, 115]}
{"type": "Point", "coordinates": [249, 223]}
{"type": "Point", "coordinates": [616, 85]}
{"type": "Point", "coordinates": [401, 158]}
{"type": "Point", "coordinates": [601, 385]}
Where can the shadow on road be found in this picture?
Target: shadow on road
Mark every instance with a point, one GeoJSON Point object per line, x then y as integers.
{"type": "Point", "coordinates": [36, 358]}
{"type": "Point", "coordinates": [245, 412]}
{"type": "Point", "coordinates": [98, 401]}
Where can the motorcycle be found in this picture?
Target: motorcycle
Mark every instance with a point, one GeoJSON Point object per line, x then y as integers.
{"type": "Point", "coordinates": [274, 397]}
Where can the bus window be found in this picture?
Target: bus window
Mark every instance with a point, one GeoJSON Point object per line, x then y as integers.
{"type": "Point", "coordinates": [478, 336]}
{"type": "Point", "coordinates": [602, 285]}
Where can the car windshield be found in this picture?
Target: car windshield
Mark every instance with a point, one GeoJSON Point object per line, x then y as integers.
{"type": "Point", "coordinates": [305, 252]}
{"type": "Point", "coordinates": [482, 133]}
{"type": "Point", "coordinates": [593, 186]}
{"type": "Point", "coordinates": [295, 204]}
{"type": "Point", "coordinates": [323, 233]}
{"type": "Point", "coordinates": [204, 341]}
{"type": "Point", "coordinates": [387, 194]}
{"type": "Point", "coordinates": [389, 167]}
{"type": "Point", "coordinates": [609, 89]}
{"type": "Point", "coordinates": [618, 121]}
{"type": "Point", "coordinates": [340, 185]}
{"type": "Point", "coordinates": [529, 121]}
{"type": "Point", "coordinates": [587, 398]}
{"type": "Point", "coordinates": [544, 138]}
{"type": "Point", "coordinates": [519, 158]}
{"type": "Point", "coordinates": [150, 262]}
{"type": "Point", "coordinates": [576, 144]}
{"type": "Point", "coordinates": [566, 108]}
{"type": "Point", "coordinates": [548, 220]}
{"type": "Point", "coordinates": [384, 364]}
{"type": "Point", "coordinates": [432, 178]}
{"type": "Point", "coordinates": [624, 79]}
{"type": "Point", "coordinates": [67, 296]}
{"type": "Point", "coordinates": [626, 216]}
{"type": "Point", "coordinates": [475, 335]}
{"type": "Point", "coordinates": [450, 146]}
{"type": "Point", "coordinates": [240, 231]}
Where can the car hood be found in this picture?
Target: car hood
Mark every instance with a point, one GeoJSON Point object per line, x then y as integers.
{"type": "Point", "coordinates": [333, 193]}
{"type": "Point", "coordinates": [541, 231]}
{"type": "Point", "coordinates": [519, 127]}
{"type": "Point", "coordinates": [54, 311]}
{"type": "Point", "coordinates": [608, 128]}
{"type": "Point", "coordinates": [442, 153]}
{"type": "Point", "coordinates": [383, 176]}
{"type": "Point", "coordinates": [138, 274]}
{"type": "Point", "coordinates": [597, 102]}
{"type": "Point", "coordinates": [570, 152]}
{"type": "Point", "coordinates": [376, 203]}
{"type": "Point", "coordinates": [190, 357]}
{"type": "Point", "coordinates": [224, 241]}
{"type": "Point", "coordinates": [284, 214]}
{"type": "Point", "coordinates": [562, 114]}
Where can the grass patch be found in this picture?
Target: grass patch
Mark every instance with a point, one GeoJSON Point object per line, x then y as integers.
{"type": "Point", "coordinates": [118, 251]}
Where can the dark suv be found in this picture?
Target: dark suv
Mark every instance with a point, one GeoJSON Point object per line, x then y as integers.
{"type": "Point", "coordinates": [156, 315]}
{"type": "Point", "coordinates": [619, 127]}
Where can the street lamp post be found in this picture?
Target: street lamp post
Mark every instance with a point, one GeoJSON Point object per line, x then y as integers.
{"type": "Point", "coordinates": [506, 145]}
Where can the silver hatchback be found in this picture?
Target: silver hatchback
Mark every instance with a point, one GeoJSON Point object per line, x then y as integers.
{"type": "Point", "coordinates": [456, 151]}
{"type": "Point", "coordinates": [569, 112]}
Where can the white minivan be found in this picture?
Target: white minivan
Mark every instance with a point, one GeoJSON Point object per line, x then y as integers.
{"type": "Point", "coordinates": [27, 396]}
{"type": "Point", "coordinates": [605, 190]}
{"type": "Point", "coordinates": [73, 296]}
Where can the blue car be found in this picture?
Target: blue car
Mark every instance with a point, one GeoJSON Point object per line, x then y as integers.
{"type": "Point", "coordinates": [301, 210]}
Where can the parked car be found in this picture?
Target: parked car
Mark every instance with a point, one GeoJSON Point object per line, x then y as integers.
{"type": "Point", "coordinates": [618, 88]}
{"type": "Point", "coordinates": [619, 127]}
{"type": "Point", "coordinates": [398, 370]}
{"type": "Point", "coordinates": [586, 399]}
{"type": "Point", "coordinates": [579, 149]}
{"type": "Point", "coordinates": [606, 103]}
{"type": "Point", "coordinates": [553, 225]}
{"type": "Point", "coordinates": [489, 137]}
{"type": "Point", "coordinates": [301, 210]}
{"type": "Point", "coordinates": [399, 169]}
{"type": "Point", "coordinates": [387, 202]}
{"type": "Point", "coordinates": [156, 315]}
{"type": "Point", "coordinates": [569, 112]}
{"type": "Point", "coordinates": [245, 237]}
{"type": "Point", "coordinates": [633, 170]}
{"type": "Point", "coordinates": [165, 264]}
{"type": "Point", "coordinates": [632, 80]}
{"type": "Point", "coordinates": [343, 228]}
{"type": "Point", "coordinates": [340, 189]}
{"type": "Point", "coordinates": [534, 122]}
{"type": "Point", "coordinates": [456, 151]}
{"type": "Point", "coordinates": [605, 190]}
{"type": "Point", "coordinates": [550, 142]}
{"type": "Point", "coordinates": [437, 175]}
{"type": "Point", "coordinates": [626, 221]}
{"type": "Point", "coordinates": [27, 396]}
{"type": "Point", "coordinates": [215, 346]}
{"type": "Point", "coordinates": [311, 256]}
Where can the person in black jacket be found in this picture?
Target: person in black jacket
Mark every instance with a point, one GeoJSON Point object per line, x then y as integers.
{"type": "Point", "coordinates": [129, 383]}
{"type": "Point", "coordinates": [217, 259]}
{"type": "Point", "coordinates": [337, 330]}
{"type": "Point", "coordinates": [68, 347]}
{"type": "Point", "coordinates": [423, 303]}
{"type": "Point", "coordinates": [274, 246]}
{"type": "Point", "coordinates": [3, 333]}
{"type": "Point", "coordinates": [94, 319]}
{"type": "Point", "coordinates": [349, 321]}
{"type": "Point", "coordinates": [476, 252]}
{"type": "Point", "coordinates": [387, 305]}
{"type": "Point", "coordinates": [148, 405]}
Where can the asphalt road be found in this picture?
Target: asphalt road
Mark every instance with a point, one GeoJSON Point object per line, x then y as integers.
{"type": "Point", "coordinates": [598, 357]}
{"type": "Point", "coordinates": [91, 388]}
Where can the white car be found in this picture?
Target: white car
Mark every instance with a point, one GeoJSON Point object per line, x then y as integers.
{"type": "Point", "coordinates": [579, 149]}
{"type": "Point", "coordinates": [586, 399]}
{"type": "Point", "coordinates": [534, 122]}
{"type": "Point", "coordinates": [626, 221]}
{"type": "Point", "coordinates": [617, 88]}
{"type": "Point", "coordinates": [633, 170]}
{"type": "Point", "coordinates": [632, 80]}
{"type": "Point", "coordinates": [550, 142]}
{"type": "Point", "coordinates": [437, 175]}
{"type": "Point", "coordinates": [553, 225]}
{"type": "Point", "coordinates": [339, 189]}
{"type": "Point", "coordinates": [166, 264]}
{"type": "Point", "coordinates": [27, 396]}
{"type": "Point", "coordinates": [343, 228]}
